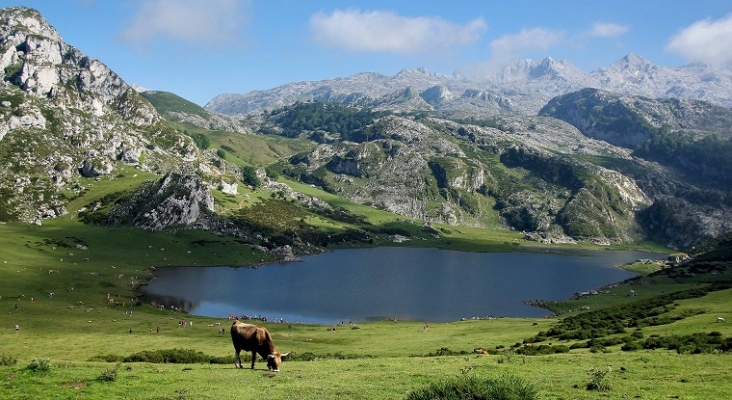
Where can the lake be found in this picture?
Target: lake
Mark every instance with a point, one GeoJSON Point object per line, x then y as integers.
{"type": "Point", "coordinates": [390, 282]}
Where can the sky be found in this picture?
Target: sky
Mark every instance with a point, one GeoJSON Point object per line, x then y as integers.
{"type": "Point", "coordinates": [199, 49]}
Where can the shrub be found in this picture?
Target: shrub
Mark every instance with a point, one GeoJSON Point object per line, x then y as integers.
{"type": "Point", "coordinates": [501, 388]}
{"type": "Point", "coordinates": [307, 356]}
{"type": "Point", "coordinates": [108, 375]}
{"type": "Point", "coordinates": [6, 359]}
{"type": "Point", "coordinates": [597, 379]}
{"type": "Point", "coordinates": [632, 346]}
{"type": "Point", "coordinates": [444, 351]}
{"type": "Point", "coordinates": [249, 176]}
{"type": "Point", "coordinates": [39, 365]}
{"type": "Point", "coordinates": [180, 356]}
{"type": "Point", "coordinates": [107, 358]}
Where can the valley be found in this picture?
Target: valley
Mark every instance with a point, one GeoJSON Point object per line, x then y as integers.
{"type": "Point", "coordinates": [102, 184]}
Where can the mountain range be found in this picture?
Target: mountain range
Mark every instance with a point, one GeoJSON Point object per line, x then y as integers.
{"type": "Point", "coordinates": [627, 153]}
{"type": "Point", "coordinates": [523, 87]}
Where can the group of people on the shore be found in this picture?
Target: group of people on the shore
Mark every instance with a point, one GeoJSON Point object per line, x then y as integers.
{"type": "Point", "coordinates": [245, 317]}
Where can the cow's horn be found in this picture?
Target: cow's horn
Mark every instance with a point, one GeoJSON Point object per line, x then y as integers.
{"type": "Point", "coordinates": [285, 355]}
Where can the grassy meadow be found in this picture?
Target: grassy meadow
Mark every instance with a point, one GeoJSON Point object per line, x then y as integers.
{"type": "Point", "coordinates": [71, 288]}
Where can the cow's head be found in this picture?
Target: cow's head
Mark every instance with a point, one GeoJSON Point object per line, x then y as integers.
{"type": "Point", "coordinates": [274, 360]}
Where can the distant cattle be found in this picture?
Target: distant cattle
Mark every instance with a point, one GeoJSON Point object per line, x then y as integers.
{"type": "Point", "coordinates": [258, 340]}
{"type": "Point", "coordinates": [720, 319]}
{"type": "Point", "coordinates": [52, 271]}
{"type": "Point", "coordinates": [480, 351]}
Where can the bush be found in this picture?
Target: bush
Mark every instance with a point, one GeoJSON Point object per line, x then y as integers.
{"type": "Point", "coordinates": [39, 365]}
{"type": "Point", "coordinates": [444, 351]}
{"type": "Point", "coordinates": [6, 359]}
{"type": "Point", "coordinates": [598, 382]}
{"type": "Point", "coordinates": [502, 388]}
{"type": "Point", "coordinates": [249, 176]}
{"type": "Point", "coordinates": [108, 375]}
{"type": "Point", "coordinates": [632, 346]}
{"type": "Point", "coordinates": [180, 356]}
{"type": "Point", "coordinates": [107, 358]}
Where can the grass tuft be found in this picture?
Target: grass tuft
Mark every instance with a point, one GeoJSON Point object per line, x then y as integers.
{"type": "Point", "coordinates": [501, 388]}
{"type": "Point", "coordinates": [39, 365]}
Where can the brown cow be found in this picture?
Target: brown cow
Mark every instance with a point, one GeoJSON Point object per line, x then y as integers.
{"type": "Point", "coordinates": [256, 339]}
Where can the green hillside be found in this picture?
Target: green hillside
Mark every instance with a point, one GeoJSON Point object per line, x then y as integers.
{"type": "Point", "coordinates": [166, 103]}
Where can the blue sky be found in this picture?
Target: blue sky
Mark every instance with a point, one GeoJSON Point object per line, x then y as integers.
{"type": "Point", "coordinates": [201, 48]}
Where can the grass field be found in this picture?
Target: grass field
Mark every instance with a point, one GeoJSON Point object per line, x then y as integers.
{"type": "Point", "coordinates": [375, 374]}
{"type": "Point", "coordinates": [77, 326]}
{"type": "Point", "coordinates": [372, 361]}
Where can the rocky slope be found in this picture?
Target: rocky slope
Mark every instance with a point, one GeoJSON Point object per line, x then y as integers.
{"type": "Point", "coordinates": [518, 172]}
{"type": "Point", "coordinates": [594, 166]}
{"type": "Point", "coordinates": [65, 118]}
{"type": "Point", "coordinates": [683, 151]}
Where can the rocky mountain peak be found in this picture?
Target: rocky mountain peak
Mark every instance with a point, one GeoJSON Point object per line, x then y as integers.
{"type": "Point", "coordinates": [26, 20]}
{"type": "Point", "coordinates": [407, 72]}
{"type": "Point", "coordinates": [633, 66]}
{"type": "Point", "coordinates": [528, 69]}
{"type": "Point", "coordinates": [34, 58]}
{"type": "Point", "coordinates": [72, 117]}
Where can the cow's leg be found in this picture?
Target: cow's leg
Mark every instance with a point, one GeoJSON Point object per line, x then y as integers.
{"type": "Point", "coordinates": [254, 358]}
{"type": "Point", "coordinates": [237, 359]}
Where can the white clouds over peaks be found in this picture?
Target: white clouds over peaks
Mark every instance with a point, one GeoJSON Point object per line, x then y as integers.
{"type": "Point", "coordinates": [706, 41]}
{"type": "Point", "coordinates": [382, 31]}
{"type": "Point", "coordinates": [189, 21]}
{"type": "Point", "coordinates": [606, 30]}
{"type": "Point", "coordinates": [510, 47]}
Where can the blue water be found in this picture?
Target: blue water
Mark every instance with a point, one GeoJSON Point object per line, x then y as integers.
{"type": "Point", "coordinates": [390, 282]}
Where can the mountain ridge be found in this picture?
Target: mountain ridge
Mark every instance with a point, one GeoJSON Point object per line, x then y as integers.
{"type": "Point", "coordinates": [426, 147]}
{"type": "Point", "coordinates": [522, 87]}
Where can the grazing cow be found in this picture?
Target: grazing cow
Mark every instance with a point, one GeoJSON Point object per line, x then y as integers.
{"type": "Point", "coordinates": [256, 339]}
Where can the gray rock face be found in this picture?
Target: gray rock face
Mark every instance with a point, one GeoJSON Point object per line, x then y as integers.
{"type": "Point", "coordinates": [174, 201]}
{"type": "Point", "coordinates": [35, 58]}
{"type": "Point", "coordinates": [66, 116]}
{"type": "Point", "coordinates": [92, 168]}
{"type": "Point", "coordinates": [628, 121]}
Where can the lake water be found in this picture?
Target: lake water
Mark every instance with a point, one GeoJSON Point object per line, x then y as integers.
{"type": "Point", "coordinates": [390, 282]}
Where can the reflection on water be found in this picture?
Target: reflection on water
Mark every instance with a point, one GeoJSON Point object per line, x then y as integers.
{"type": "Point", "coordinates": [379, 283]}
{"type": "Point", "coordinates": [171, 302]}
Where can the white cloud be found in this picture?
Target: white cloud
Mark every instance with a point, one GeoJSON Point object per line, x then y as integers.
{"type": "Point", "coordinates": [706, 41]}
{"type": "Point", "coordinates": [383, 31]}
{"type": "Point", "coordinates": [606, 30]}
{"type": "Point", "coordinates": [197, 22]}
{"type": "Point", "coordinates": [507, 48]}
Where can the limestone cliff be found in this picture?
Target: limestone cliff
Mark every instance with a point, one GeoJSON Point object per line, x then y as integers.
{"type": "Point", "coordinates": [65, 117]}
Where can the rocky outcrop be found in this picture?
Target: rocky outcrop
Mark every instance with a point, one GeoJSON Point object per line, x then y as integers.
{"type": "Point", "coordinates": [35, 58]}
{"type": "Point", "coordinates": [629, 121]}
{"type": "Point", "coordinates": [65, 116]}
{"type": "Point", "coordinates": [174, 201]}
